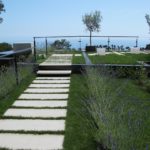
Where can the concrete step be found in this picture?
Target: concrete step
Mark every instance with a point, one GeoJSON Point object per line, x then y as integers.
{"type": "Point", "coordinates": [39, 104]}
{"type": "Point", "coordinates": [51, 81]}
{"type": "Point", "coordinates": [40, 90]}
{"type": "Point", "coordinates": [34, 113]}
{"type": "Point", "coordinates": [53, 78]}
{"type": "Point", "coordinates": [49, 85]}
{"type": "Point", "coordinates": [31, 125]}
{"type": "Point", "coordinates": [54, 72]}
{"type": "Point", "coordinates": [44, 96]}
{"type": "Point", "coordinates": [30, 141]}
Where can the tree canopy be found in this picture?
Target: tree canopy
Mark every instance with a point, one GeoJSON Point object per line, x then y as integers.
{"type": "Point", "coordinates": [148, 19]}
{"type": "Point", "coordinates": [92, 22]}
{"type": "Point", "coordinates": [61, 44]}
{"type": "Point", "coordinates": [1, 10]}
{"type": "Point", "coordinates": [5, 47]}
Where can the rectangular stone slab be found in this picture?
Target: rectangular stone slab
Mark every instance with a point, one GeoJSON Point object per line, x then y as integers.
{"type": "Point", "coordinates": [29, 141]}
{"type": "Point", "coordinates": [40, 90]}
{"type": "Point", "coordinates": [53, 78]}
{"type": "Point", "coordinates": [53, 72]}
{"type": "Point", "coordinates": [51, 81]}
{"type": "Point", "coordinates": [40, 103]}
{"type": "Point", "coordinates": [31, 125]}
{"type": "Point", "coordinates": [49, 85]}
{"type": "Point", "coordinates": [44, 96]}
{"type": "Point", "coordinates": [61, 55]}
{"type": "Point", "coordinates": [55, 64]}
{"type": "Point", "coordinates": [33, 113]}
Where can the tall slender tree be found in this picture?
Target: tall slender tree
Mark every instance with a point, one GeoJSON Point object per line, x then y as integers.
{"type": "Point", "coordinates": [1, 10]}
{"type": "Point", "coordinates": [92, 22]}
{"type": "Point", "coordinates": [148, 20]}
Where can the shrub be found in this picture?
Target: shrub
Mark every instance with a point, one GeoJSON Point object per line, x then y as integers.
{"type": "Point", "coordinates": [147, 47]}
{"type": "Point", "coordinates": [5, 47]}
{"type": "Point", "coordinates": [116, 120]}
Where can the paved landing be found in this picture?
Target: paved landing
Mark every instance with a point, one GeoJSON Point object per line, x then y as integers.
{"type": "Point", "coordinates": [41, 110]}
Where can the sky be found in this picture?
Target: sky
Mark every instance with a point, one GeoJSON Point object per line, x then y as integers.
{"type": "Point", "coordinates": [24, 19]}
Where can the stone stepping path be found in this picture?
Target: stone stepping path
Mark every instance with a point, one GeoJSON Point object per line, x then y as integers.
{"type": "Point", "coordinates": [51, 81]}
{"type": "Point", "coordinates": [36, 120]}
{"type": "Point", "coordinates": [36, 113]}
{"type": "Point", "coordinates": [31, 141]}
{"type": "Point", "coordinates": [44, 96]}
{"type": "Point", "coordinates": [32, 125]}
{"type": "Point", "coordinates": [45, 72]}
{"type": "Point", "coordinates": [53, 78]}
{"type": "Point", "coordinates": [49, 85]}
{"type": "Point", "coordinates": [39, 104]}
{"type": "Point", "coordinates": [41, 90]}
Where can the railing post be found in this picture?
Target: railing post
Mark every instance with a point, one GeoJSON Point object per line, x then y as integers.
{"type": "Point", "coordinates": [46, 46]}
{"type": "Point", "coordinates": [34, 41]}
{"type": "Point", "coordinates": [108, 43]}
{"type": "Point", "coordinates": [16, 70]}
{"type": "Point", "coordinates": [137, 42]}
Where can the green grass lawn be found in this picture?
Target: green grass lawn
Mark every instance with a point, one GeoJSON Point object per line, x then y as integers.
{"type": "Point", "coordinates": [78, 60]}
{"type": "Point", "coordinates": [119, 59]}
{"type": "Point", "coordinates": [77, 136]}
{"type": "Point", "coordinates": [6, 102]}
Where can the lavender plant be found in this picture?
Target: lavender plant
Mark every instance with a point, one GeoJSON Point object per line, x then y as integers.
{"type": "Point", "coordinates": [116, 120]}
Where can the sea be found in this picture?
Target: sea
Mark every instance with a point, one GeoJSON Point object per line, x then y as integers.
{"type": "Point", "coordinates": [81, 43]}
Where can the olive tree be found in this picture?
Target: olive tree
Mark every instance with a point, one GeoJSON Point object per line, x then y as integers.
{"type": "Point", "coordinates": [148, 20]}
{"type": "Point", "coordinates": [1, 10]}
{"type": "Point", "coordinates": [92, 22]}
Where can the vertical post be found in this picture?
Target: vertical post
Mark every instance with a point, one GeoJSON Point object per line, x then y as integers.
{"type": "Point", "coordinates": [90, 38]}
{"type": "Point", "coordinates": [136, 42]}
{"type": "Point", "coordinates": [46, 46]}
{"type": "Point", "coordinates": [80, 44]}
{"type": "Point", "coordinates": [34, 40]}
{"type": "Point", "coordinates": [16, 70]}
{"type": "Point", "coordinates": [108, 43]}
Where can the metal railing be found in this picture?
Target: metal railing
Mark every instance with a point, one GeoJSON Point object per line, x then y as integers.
{"type": "Point", "coordinates": [78, 36]}
{"type": "Point", "coordinates": [12, 55]}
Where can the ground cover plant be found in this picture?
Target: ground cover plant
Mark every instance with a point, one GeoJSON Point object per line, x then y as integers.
{"type": "Point", "coordinates": [9, 77]}
{"type": "Point", "coordinates": [119, 59]}
{"type": "Point", "coordinates": [116, 112]}
{"type": "Point", "coordinates": [78, 60]}
{"type": "Point", "coordinates": [14, 92]}
{"type": "Point", "coordinates": [77, 136]}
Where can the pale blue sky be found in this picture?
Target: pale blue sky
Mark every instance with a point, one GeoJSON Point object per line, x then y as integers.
{"type": "Point", "coordinates": [24, 19]}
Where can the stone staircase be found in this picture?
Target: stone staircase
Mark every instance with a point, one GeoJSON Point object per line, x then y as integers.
{"type": "Point", "coordinates": [36, 120]}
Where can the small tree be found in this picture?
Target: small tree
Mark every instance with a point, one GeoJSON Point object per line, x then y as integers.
{"type": "Point", "coordinates": [92, 22]}
{"type": "Point", "coordinates": [1, 10]}
{"type": "Point", "coordinates": [148, 20]}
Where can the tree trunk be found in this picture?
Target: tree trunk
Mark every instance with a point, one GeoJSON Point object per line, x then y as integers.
{"type": "Point", "coordinates": [90, 38]}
